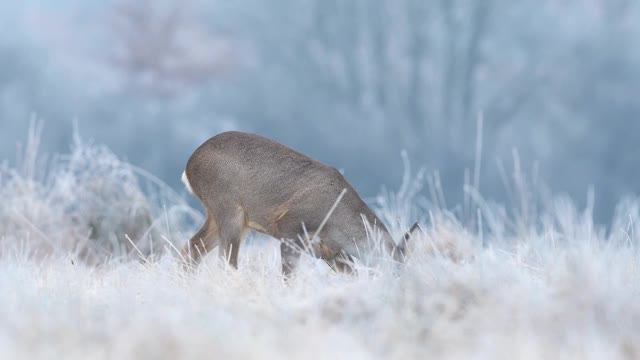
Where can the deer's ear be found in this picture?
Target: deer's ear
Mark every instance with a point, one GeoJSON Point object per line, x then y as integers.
{"type": "Point", "coordinates": [409, 234]}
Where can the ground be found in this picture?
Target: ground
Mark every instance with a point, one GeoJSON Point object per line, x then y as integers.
{"type": "Point", "coordinates": [577, 299]}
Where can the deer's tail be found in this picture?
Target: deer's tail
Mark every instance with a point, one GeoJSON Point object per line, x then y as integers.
{"type": "Point", "coordinates": [185, 180]}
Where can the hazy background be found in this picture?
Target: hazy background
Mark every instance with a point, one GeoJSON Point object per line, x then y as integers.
{"type": "Point", "coordinates": [349, 82]}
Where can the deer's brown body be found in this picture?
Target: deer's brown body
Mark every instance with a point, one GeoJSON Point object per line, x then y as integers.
{"type": "Point", "coordinates": [247, 181]}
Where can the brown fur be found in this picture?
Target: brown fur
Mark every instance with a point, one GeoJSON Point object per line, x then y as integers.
{"type": "Point", "coordinates": [248, 181]}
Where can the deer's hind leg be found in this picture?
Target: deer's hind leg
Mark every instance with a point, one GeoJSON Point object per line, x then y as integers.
{"type": "Point", "coordinates": [232, 225]}
{"type": "Point", "coordinates": [201, 243]}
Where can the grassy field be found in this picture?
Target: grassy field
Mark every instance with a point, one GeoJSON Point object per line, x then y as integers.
{"type": "Point", "coordinates": [481, 281]}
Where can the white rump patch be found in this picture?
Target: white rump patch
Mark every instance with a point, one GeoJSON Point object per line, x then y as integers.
{"type": "Point", "coordinates": [185, 180]}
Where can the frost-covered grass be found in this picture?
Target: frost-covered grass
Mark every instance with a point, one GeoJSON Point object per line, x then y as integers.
{"type": "Point", "coordinates": [537, 282]}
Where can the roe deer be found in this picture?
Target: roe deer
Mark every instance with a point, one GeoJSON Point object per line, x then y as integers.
{"type": "Point", "coordinates": [246, 181]}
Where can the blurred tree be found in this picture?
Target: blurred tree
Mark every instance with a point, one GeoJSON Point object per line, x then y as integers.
{"type": "Point", "coordinates": [352, 82]}
{"type": "Point", "coordinates": [161, 49]}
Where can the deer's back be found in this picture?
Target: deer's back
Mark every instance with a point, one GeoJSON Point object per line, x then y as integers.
{"type": "Point", "coordinates": [267, 178]}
